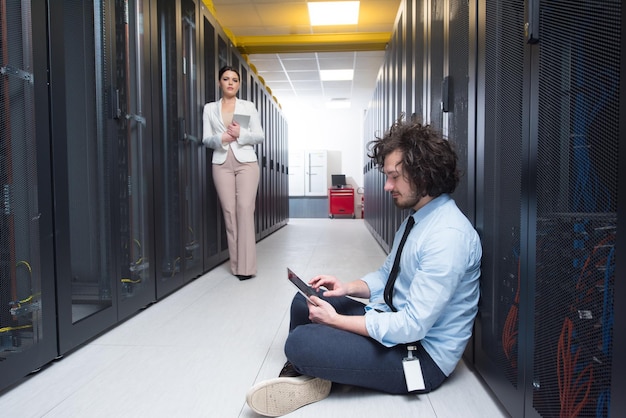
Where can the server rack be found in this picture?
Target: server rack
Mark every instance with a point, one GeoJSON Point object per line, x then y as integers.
{"type": "Point", "coordinates": [535, 102]}
{"type": "Point", "coordinates": [28, 334]}
{"type": "Point", "coordinates": [263, 201]}
{"type": "Point", "coordinates": [84, 151]}
{"type": "Point", "coordinates": [577, 115]}
{"type": "Point", "coordinates": [131, 93]}
{"type": "Point", "coordinates": [179, 222]}
{"type": "Point", "coordinates": [427, 55]}
{"type": "Point", "coordinates": [255, 97]}
{"type": "Point", "coordinates": [101, 106]}
{"type": "Point", "coordinates": [547, 314]}
{"type": "Point", "coordinates": [215, 249]}
{"type": "Point", "coordinates": [500, 132]}
{"type": "Point", "coordinates": [105, 128]}
{"type": "Point", "coordinates": [455, 99]}
{"type": "Point", "coordinates": [192, 139]}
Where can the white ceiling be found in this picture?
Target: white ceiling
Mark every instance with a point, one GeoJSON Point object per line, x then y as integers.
{"type": "Point", "coordinates": [293, 76]}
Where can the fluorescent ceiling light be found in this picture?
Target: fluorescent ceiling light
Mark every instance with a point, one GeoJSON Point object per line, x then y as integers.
{"type": "Point", "coordinates": [334, 13]}
{"type": "Point", "coordinates": [336, 75]}
{"type": "Point", "coordinates": [338, 104]}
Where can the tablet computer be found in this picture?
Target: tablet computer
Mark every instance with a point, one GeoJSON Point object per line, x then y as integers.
{"type": "Point", "coordinates": [242, 120]}
{"type": "Point", "coordinates": [304, 289]}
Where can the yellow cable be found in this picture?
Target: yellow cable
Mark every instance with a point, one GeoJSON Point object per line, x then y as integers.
{"type": "Point", "coordinates": [30, 270]}
{"type": "Point", "coordinates": [7, 329]}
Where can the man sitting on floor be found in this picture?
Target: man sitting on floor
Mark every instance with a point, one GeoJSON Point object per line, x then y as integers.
{"type": "Point", "coordinates": [422, 300]}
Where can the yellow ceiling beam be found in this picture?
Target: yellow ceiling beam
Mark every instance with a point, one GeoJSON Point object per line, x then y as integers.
{"type": "Point", "coordinates": [323, 42]}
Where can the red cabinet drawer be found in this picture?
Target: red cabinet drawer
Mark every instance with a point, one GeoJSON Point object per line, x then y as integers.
{"type": "Point", "coordinates": [341, 202]}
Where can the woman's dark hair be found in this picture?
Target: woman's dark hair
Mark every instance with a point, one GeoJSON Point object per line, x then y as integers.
{"type": "Point", "coordinates": [228, 68]}
{"type": "Point", "coordinates": [428, 160]}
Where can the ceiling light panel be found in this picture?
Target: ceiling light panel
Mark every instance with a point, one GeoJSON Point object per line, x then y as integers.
{"type": "Point", "coordinates": [329, 75]}
{"type": "Point", "coordinates": [334, 13]}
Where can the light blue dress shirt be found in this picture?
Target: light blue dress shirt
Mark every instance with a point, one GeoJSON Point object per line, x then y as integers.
{"type": "Point", "coordinates": [436, 292]}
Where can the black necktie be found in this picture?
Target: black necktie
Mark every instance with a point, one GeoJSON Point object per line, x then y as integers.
{"type": "Point", "coordinates": [396, 265]}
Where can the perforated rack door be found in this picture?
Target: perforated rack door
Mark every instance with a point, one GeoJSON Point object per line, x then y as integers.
{"type": "Point", "coordinates": [576, 206]}
{"type": "Point", "coordinates": [27, 323]}
{"type": "Point", "coordinates": [20, 272]}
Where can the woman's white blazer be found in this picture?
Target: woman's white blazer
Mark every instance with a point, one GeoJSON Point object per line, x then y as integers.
{"type": "Point", "coordinates": [213, 127]}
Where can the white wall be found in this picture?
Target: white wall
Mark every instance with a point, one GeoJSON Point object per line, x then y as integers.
{"type": "Point", "coordinates": [339, 131]}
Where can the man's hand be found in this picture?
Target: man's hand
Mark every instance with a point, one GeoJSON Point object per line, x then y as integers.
{"type": "Point", "coordinates": [334, 285]}
{"type": "Point", "coordinates": [324, 313]}
{"type": "Point", "coordinates": [356, 288]}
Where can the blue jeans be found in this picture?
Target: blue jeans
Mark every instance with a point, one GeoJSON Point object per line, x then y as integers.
{"type": "Point", "coordinates": [344, 357]}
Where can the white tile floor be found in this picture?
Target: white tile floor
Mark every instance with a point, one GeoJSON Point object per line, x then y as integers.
{"type": "Point", "coordinates": [196, 353]}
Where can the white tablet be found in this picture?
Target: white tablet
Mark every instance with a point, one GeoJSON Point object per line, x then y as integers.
{"type": "Point", "coordinates": [242, 120]}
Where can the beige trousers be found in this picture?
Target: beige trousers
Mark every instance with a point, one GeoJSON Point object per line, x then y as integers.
{"type": "Point", "coordinates": [236, 184]}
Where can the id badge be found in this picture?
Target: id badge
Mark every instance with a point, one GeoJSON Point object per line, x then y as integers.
{"type": "Point", "coordinates": [413, 372]}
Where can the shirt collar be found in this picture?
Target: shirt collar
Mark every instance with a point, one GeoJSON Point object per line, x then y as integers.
{"type": "Point", "coordinates": [430, 207]}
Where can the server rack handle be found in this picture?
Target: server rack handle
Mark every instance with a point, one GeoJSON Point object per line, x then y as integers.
{"type": "Point", "coordinates": [182, 128]}
{"type": "Point", "coordinates": [532, 21]}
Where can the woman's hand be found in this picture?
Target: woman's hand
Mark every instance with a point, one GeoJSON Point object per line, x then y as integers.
{"type": "Point", "coordinates": [228, 138]}
{"type": "Point", "coordinates": [234, 129]}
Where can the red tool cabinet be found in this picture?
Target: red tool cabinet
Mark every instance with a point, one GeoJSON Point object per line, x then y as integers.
{"type": "Point", "coordinates": [341, 202]}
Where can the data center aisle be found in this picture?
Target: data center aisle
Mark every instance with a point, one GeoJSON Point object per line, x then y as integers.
{"type": "Point", "coordinates": [197, 352]}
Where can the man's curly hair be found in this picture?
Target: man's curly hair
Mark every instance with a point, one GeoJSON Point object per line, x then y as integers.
{"type": "Point", "coordinates": [428, 160]}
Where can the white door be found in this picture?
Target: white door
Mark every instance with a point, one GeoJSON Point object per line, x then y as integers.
{"type": "Point", "coordinates": [315, 175]}
{"type": "Point", "coordinates": [296, 173]}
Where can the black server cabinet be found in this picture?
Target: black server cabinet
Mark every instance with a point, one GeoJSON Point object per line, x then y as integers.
{"type": "Point", "coordinates": [222, 60]}
{"type": "Point", "coordinates": [416, 12]}
{"type": "Point", "coordinates": [257, 98]}
{"type": "Point", "coordinates": [392, 99]}
{"type": "Point", "coordinates": [271, 202]}
{"type": "Point", "coordinates": [425, 77]}
{"type": "Point", "coordinates": [272, 141]}
{"type": "Point", "coordinates": [436, 19]}
{"type": "Point", "coordinates": [28, 335]}
{"type": "Point", "coordinates": [178, 149]}
{"type": "Point", "coordinates": [573, 206]}
{"type": "Point", "coordinates": [244, 92]}
{"type": "Point", "coordinates": [215, 248]}
{"type": "Point", "coordinates": [102, 165]}
{"type": "Point", "coordinates": [549, 206]}
{"type": "Point", "coordinates": [283, 193]}
{"type": "Point", "coordinates": [279, 167]}
{"type": "Point", "coordinates": [455, 97]}
{"type": "Point", "coordinates": [267, 148]}
{"type": "Point", "coordinates": [376, 204]}
{"type": "Point", "coordinates": [132, 111]}
{"type": "Point", "coordinates": [268, 152]}
{"type": "Point", "coordinates": [618, 383]}
{"type": "Point", "coordinates": [84, 150]}
{"type": "Point", "coordinates": [501, 154]}
{"type": "Point", "coordinates": [191, 126]}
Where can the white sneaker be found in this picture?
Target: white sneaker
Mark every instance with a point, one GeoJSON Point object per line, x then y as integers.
{"type": "Point", "coordinates": [280, 396]}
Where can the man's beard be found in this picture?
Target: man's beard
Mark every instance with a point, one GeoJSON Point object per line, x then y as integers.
{"type": "Point", "coordinates": [408, 202]}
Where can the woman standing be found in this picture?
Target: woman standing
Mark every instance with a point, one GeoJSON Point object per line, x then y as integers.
{"type": "Point", "coordinates": [235, 167]}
